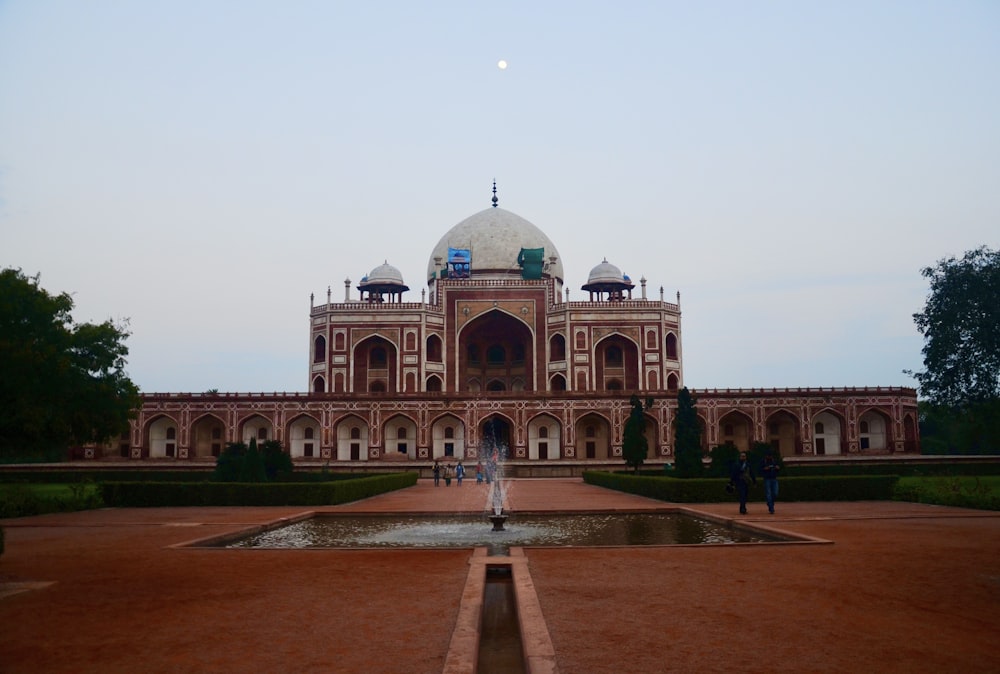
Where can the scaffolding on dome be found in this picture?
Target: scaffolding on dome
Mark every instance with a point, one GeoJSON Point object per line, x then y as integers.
{"type": "Point", "coordinates": [459, 262]}
{"type": "Point", "coordinates": [531, 261]}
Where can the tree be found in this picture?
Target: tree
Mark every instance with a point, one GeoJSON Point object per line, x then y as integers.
{"type": "Point", "coordinates": [62, 383]}
{"type": "Point", "coordinates": [960, 385]}
{"type": "Point", "coordinates": [230, 462]}
{"type": "Point", "coordinates": [634, 445]}
{"type": "Point", "coordinates": [277, 462]}
{"type": "Point", "coordinates": [687, 437]}
{"type": "Point", "coordinates": [252, 466]}
{"type": "Point", "coordinates": [961, 328]}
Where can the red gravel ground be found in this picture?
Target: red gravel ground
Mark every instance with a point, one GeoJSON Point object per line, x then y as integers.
{"type": "Point", "coordinates": [902, 588]}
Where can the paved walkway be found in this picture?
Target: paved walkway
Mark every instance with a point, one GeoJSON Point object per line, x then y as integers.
{"type": "Point", "coordinates": [903, 588]}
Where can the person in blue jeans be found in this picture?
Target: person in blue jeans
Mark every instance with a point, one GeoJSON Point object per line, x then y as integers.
{"type": "Point", "coordinates": [741, 476]}
{"type": "Point", "coordinates": [770, 474]}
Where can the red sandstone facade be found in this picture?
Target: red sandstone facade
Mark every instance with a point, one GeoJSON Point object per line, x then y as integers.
{"type": "Point", "coordinates": [497, 357]}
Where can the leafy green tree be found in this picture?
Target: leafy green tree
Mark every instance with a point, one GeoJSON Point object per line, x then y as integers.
{"type": "Point", "coordinates": [961, 328]}
{"type": "Point", "coordinates": [277, 462]}
{"type": "Point", "coordinates": [960, 384]}
{"type": "Point", "coordinates": [252, 466]}
{"type": "Point", "coordinates": [687, 437]}
{"type": "Point", "coordinates": [634, 445]}
{"type": "Point", "coordinates": [723, 457]}
{"type": "Point", "coordinates": [230, 462]}
{"type": "Point", "coordinates": [62, 383]}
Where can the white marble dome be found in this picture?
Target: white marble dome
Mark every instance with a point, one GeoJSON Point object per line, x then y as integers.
{"type": "Point", "coordinates": [384, 273]}
{"type": "Point", "coordinates": [495, 238]}
{"type": "Point", "coordinates": [605, 273]}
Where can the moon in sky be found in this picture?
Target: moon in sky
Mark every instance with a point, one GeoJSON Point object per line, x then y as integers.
{"type": "Point", "coordinates": [501, 64]}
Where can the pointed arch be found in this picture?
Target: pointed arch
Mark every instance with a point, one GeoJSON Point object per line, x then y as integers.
{"type": "Point", "coordinates": [160, 437]}
{"type": "Point", "coordinates": [616, 363]}
{"type": "Point", "coordinates": [352, 439]}
{"type": "Point", "coordinates": [544, 438]}
{"type": "Point", "coordinates": [593, 437]}
{"type": "Point", "coordinates": [874, 430]}
{"type": "Point", "coordinates": [557, 348]}
{"type": "Point", "coordinates": [828, 432]}
{"type": "Point", "coordinates": [319, 384]}
{"type": "Point", "coordinates": [736, 428]}
{"type": "Point", "coordinates": [447, 437]}
{"type": "Point", "coordinates": [557, 382]}
{"type": "Point", "coordinates": [375, 361]}
{"type": "Point", "coordinates": [399, 436]}
{"type": "Point", "coordinates": [303, 437]}
{"type": "Point", "coordinates": [434, 349]}
{"type": "Point", "coordinates": [257, 427]}
{"type": "Point", "coordinates": [208, 436]}
{"type": "Point", "coordinates": [784, 433]}
{"type": "Point", "coordinates": [670, 345]}
{"type": "Point", "coordinates": [496, 347]}
{"type": "Point", "coordinates": [319, 349]}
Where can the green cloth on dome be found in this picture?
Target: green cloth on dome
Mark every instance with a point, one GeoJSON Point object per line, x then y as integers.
{"type": "Point", "coordinates": [531, 261]}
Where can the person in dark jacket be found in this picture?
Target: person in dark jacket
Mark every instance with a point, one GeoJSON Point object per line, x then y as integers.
{"type": "Point", "coordinates": [741, 477]}
{"type": "Point", "coordinates": [769, 471]}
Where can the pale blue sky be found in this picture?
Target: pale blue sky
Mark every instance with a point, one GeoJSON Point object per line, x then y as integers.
{"type": "Point", "coordinates": [789, 167]}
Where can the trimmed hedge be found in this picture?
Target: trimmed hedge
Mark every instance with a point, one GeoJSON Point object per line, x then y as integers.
{"type": "Point", "coordinates": [164, 494]}
{"type": "Point", "coordinates": [71, 476]}
{"type": "Point", "coordinates": [713, 490]}
{"type": "Point", "coordinates": [956, 492]}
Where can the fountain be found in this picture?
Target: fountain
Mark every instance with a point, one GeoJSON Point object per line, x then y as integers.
{"type": "Point", "coordinates": [494, 472]}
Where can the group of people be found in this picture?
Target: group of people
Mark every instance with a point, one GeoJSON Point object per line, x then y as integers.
{"type": "Point", "coordinates": [447, 471]}
{"type": "Point", "coordinates": [742, 476]}
{"type": "Point", "coordinates": [458, 471]}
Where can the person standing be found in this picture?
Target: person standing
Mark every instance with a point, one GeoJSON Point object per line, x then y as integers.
{"type": "Point", "coordinates": [741, 477]}
{"type": "Point", "coordinates": [479, 472]}
{"type": "Point", "coordinates": [437, 474]}
{"type": "Point", "coordinates": [459, 473]}
{"type": "Point", "coordinates": [769, 472]}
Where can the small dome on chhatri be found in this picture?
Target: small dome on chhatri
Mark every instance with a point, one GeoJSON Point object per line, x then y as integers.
{"type": "Point", "coordinates": [606, 273]}
{"type": "Point", "coordinates": [384, 273]}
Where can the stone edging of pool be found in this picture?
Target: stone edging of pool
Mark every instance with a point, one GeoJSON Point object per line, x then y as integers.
{"type": "Point", "coordinates": [218, 541]}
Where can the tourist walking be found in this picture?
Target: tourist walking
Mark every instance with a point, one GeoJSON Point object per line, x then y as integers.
{"type": "Point", "coordinates": [447, 475]}
{"type": "Point", "coordinates": [479, 473]}
{"type": "Point", "coordinates": [769, 471]}
{"type": "Point", "coordinates": [459, 473]}
{"type": "Point", "coordinates": [741, 477]}
{"type": "Point", "coordinates": [437, 474]}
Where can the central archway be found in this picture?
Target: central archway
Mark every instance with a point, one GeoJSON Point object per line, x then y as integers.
{"type": "Point", "coordinates": [494, 434]}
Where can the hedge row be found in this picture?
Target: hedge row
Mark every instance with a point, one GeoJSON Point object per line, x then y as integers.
{"type": "Point", "coordinates": [161, 494]}
{"type": "Point", "coordinates": [956, 492]}
{"type": "Point", "coordinates": [900, 469]}
{"type": "Point", "coordinates": [71, 476]}
{"type": "Point", "coordinates": [713, 490]}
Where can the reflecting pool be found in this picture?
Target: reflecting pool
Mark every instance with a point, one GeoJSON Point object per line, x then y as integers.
{"type": "Point", "coordinates": [456, 531]}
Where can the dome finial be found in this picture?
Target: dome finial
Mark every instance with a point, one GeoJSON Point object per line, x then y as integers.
{"type": "Point", "coordinates": [495, 200]}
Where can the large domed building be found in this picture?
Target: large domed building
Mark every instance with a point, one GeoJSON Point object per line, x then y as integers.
{"type": "Point", "coordinates": [495, 356]}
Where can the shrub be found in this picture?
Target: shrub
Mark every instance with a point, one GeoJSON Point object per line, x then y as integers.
{"type": "Point", "coordinates": [723, 457]}
{"type": "Point", "coordinates": [161, 494]}
{"type": "Point", "coordinates": [252, 466]}
{"type": "Point", "coordinates": [968, 492]}
{"type": "Point", "coordinates": [706, 490]}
